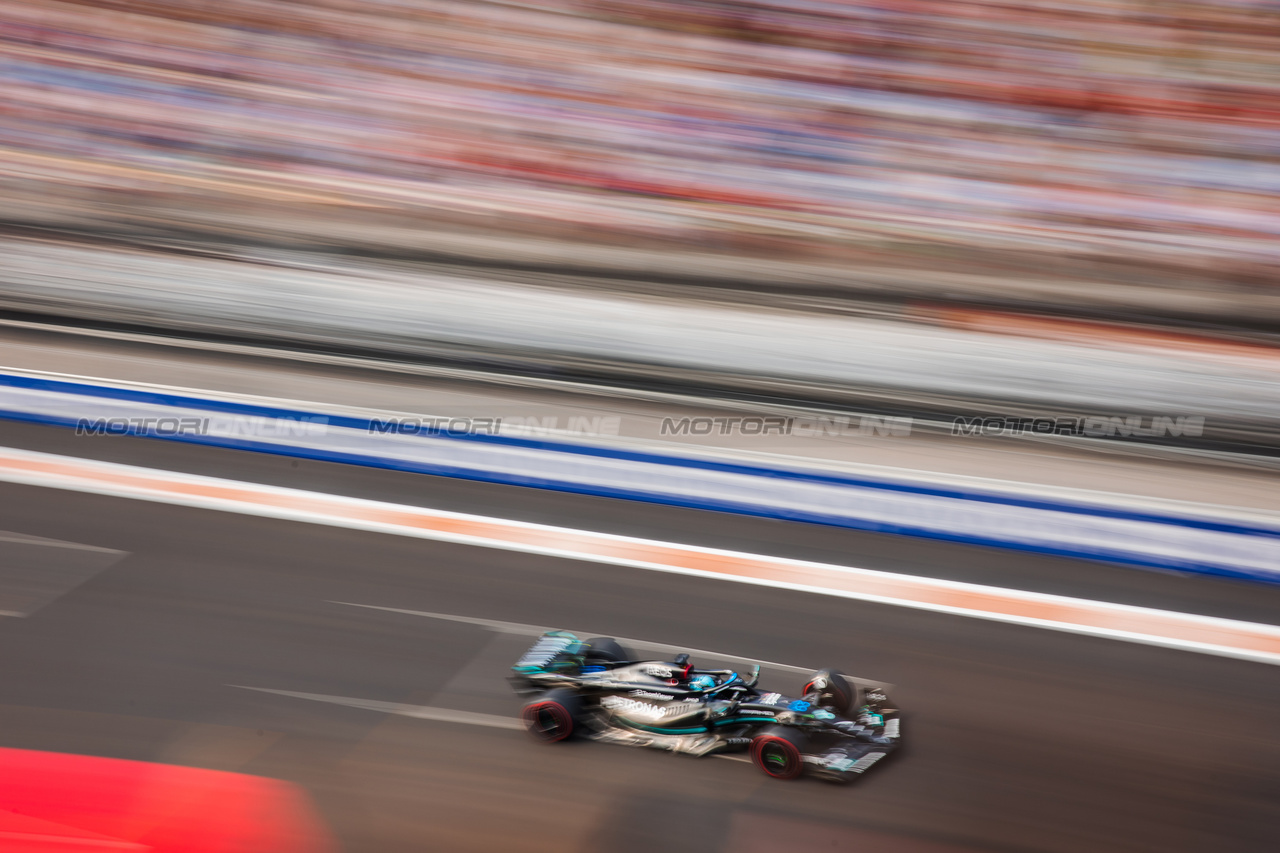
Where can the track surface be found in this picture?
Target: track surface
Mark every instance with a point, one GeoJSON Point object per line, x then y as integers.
{"type": "Point", "coordinates": [1020, 739]}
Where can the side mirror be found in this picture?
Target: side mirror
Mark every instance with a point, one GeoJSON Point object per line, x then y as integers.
{"type": "Point", "coordinates": [755, 676]}
{"type": "Point", "coordinates": [681, 660]}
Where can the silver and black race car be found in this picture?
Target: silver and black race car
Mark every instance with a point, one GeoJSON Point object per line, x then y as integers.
{"type": "Point", "coordinates": [594, 689]}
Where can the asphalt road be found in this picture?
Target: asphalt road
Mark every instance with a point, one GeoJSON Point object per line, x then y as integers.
{"type": "Point", "coordinates": [1020, 739]}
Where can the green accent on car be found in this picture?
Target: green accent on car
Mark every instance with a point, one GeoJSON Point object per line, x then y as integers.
{"type": "Point", "coordinates": [660, 731]}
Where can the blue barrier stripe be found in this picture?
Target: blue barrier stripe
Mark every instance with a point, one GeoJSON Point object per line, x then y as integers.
{"type": "Point", "coordinates": [363, 425]}
{"type": "Point", "coordinates": [755, 510]}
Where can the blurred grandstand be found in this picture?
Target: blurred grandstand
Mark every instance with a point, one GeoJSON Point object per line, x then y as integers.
{"type": "Point", "coordinates": [976, 145]}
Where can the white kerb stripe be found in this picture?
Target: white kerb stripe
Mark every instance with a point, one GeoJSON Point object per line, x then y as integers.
{"type": "Point", "coordinates": [1204, 634]}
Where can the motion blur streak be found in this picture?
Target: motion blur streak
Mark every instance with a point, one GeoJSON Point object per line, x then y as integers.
{"type": "Point", "coordinates": [627, 642]}
{"type": "Point", "coordinates": [1093, 141]}
{"type": "Point", "coordinates": [1154, 627]}
{"type": "Point", "coordinates": [1028, 740]}
{"type": "Point", "coordinates": [81, 804]}
{"type": "Point", "coordinates": [978, 296]}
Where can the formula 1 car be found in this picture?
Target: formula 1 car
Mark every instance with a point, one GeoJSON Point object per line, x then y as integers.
{"type": "Point", "coordinates": [592, 688]}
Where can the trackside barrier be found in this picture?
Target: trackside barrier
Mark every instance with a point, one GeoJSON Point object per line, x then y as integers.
{"type": "Point", "coordinates": [1195, 540]}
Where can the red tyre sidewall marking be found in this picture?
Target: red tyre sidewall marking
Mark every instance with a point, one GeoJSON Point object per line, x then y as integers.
{"type": "Point", "coordinates": [757, 747]}
{"type": "Point", "coordinates": [555, 709]}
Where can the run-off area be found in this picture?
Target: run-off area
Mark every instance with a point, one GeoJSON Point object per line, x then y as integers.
{"type": "Point", "coordinates": [1020, 739]}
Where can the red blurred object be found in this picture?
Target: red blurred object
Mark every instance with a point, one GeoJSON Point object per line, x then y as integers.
{"type": "Point", "coordinates": [76, 804]}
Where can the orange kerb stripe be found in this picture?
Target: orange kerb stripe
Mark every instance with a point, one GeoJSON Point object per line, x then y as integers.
{"type": "Point", "coordinates": [906, 590]}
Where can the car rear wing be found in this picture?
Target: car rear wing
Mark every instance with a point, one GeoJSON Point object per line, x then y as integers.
{"type": "Point", "coordinates": [554, 656]}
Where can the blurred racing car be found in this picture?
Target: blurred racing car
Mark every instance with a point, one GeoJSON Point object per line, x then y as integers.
{"type": "Point", "coordinates": [594, 689]}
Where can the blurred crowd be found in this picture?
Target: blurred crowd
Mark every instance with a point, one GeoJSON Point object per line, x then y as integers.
{"type": "Point", "coordinates": [1139, 129]}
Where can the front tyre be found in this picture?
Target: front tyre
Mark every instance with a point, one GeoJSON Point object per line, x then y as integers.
{"type": "Point", "coordinates": [834, 691]}
{"type": "Point", "coordinates": [554, 716]}
{"type": "Point", "coordinates": [779, 752]}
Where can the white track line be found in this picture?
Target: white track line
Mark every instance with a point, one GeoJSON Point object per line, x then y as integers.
{"type": "Point", "coordinates": [1168, 629]}
{"type": "Point", "coordinates": [40, 541]}
{"type": "Point", "coordinates": [537, 630]}
{"type": "Point", "coordinates": [420, 712]}
{"type": "Point", "coordinates": [492, 624]}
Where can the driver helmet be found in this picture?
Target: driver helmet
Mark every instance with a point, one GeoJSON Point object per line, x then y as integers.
{"type": "Point", "coordinates": [701, 682]}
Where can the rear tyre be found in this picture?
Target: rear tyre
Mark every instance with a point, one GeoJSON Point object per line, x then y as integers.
{"type": "Point", "coordinates": [835, 693]}
{"type": "Point", "coordinates": [605, 650]}
{"type": "Point", "coordinates": [779, 752]}
{"type": "Point", "coordinates": [553, 716]}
